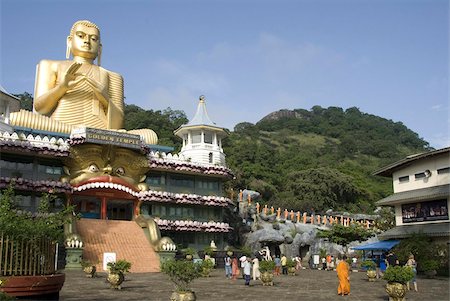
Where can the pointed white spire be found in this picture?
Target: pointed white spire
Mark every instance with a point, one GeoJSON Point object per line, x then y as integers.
{"type": "Point", "coordinates": [201, 116]}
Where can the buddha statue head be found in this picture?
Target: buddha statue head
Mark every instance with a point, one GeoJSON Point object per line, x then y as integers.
{"type": "Point", "coordinates": [84, 41]}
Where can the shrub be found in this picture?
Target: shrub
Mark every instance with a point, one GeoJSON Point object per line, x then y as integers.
{"type": "Point", "coordinates": [398, 274]}
{"type": "Point", "coordinates": [266, 266]}
{"type": "Point", "coordinates": [121, 266]}
{"type": "Point", "coordinates": [181, 273]}
{"type": "Point", "coordinates": [189, 251]}
{"type": "Point", "coordinates": [429, 265]}
{"type": "Point", "coordinates": [290, 263]}
{"type": "Point", "coordinates": [369, 264]}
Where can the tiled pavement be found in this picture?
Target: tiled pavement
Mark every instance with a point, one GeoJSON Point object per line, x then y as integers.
{"type": "Point", "coordinates": [307, 285]}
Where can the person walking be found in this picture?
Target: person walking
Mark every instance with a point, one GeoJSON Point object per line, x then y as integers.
{"type": "Point", "coordinates": [277, 265]}
{"type": "Point", "coordinates": [234, 268]}
{"type": "Point", "coordinates": [284, 264]}
{"type": "Point", "coordinates": [413, 265]}
{"type": "Point", "coordinates": [228, 271]}
{"type": "Point", "coordinates": [256, 272]}
{"type": "Point", "coordinates": [391, 259]}
{"type": "Point", "coordinates": [247, 269]}
{"type": "Point", "coordinates": [343, 270]}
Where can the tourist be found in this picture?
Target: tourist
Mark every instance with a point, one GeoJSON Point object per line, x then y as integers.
{"type": "Point", "coordinates": [298, 263]}
{"type": "Point", "coordinates": [284, 264]}
{"type": "Point", "coordinates": [247, 268]}
{"type": "Point", "coordinates": [324, 263]}
{"type": "Point", "coordinates": [228, 272]}
{"type": "Point", "coordinates": [391, 259]}
{"type": "Point", "coordinates": [378, 266]}
{"type": "Point", "coordinates": [344, 278]}
{"type": "Point", "coordinates": [234, 268]}
{"type": "Point", "coordinates": [328, 262]}
{"type": "Point", "coordinates": [412, 264]}
{"type": "Point", "coordinates": [277, 261]}
{"type": "Point", "coordinates": [332, 265]}
{"type": "Point", "coordinates": [256, 272]}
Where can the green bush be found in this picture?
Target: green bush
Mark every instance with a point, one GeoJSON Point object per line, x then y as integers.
{"type": "Point", "coordinates": [369, 264]}
{"type": "Point", "coordinates": [398, 274]}
{"type": "Point", "coordinates": [429, 265]}
{"type": "Point", "coordinates": [206, 266]}
{"type": "Point", "coordinates": [290, 263]}
{"type": "Point", "coordinates": [120, 266]}
{"type": "Point", "coordinates": [181, 272]}
{"type": "Point", "coordinates": [266, 266]}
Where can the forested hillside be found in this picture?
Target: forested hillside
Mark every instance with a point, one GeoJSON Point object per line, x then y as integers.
{"type": "Point", "coordinates": [298, 159]}
{"type": "Point", "coordinates": [319, 159]}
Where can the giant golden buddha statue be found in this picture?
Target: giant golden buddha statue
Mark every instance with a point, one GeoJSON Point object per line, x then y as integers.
{"type": "Point", "coordinates": [75, 93]}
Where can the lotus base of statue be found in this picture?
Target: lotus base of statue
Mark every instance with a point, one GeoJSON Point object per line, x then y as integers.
{"type": "Point", "coordinates": [396, 291]}
{"type": "Point", "coordinates": [115, 279]}
{"type": "Point", "coordinates": [267, 278]}
{"type": "Point", "coordinates": [183, 296]}
{"type": "Point", "coordinates": [371, 275]}
{"type": "Point", "coordinates": [90, 271]}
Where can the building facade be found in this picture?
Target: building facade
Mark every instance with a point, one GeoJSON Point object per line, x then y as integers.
{"type": "Point", "coordinates": [421, 185]}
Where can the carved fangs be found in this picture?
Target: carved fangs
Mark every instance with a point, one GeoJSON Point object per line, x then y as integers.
{"type": "Point", "coordinates": [106, 185]}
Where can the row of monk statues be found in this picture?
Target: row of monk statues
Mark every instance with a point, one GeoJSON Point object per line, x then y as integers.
{"type": "Point", "coordinates": [76, 92]}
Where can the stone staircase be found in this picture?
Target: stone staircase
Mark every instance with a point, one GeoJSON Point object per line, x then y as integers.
{"type": "Point", "coordinates": [125, 238]}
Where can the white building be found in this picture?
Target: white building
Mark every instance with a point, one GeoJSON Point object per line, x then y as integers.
{"type": "Point", "coordinates": [8, 104]}
{"type": "Point", "coordinates": [421, 185]}
{"type": "Point", "coordinates": [202, 138]}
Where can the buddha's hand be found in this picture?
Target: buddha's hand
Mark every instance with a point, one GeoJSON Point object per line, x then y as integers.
{"type": "Point", "coordinates": [69, 78]}
{"type": "Point", "coordinates": [97, 88]}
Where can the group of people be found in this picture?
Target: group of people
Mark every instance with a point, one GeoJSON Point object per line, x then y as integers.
{"type": "Point", "coordinates": [249, 267]}
{"type": "Point", "coordinates": [392, 260]}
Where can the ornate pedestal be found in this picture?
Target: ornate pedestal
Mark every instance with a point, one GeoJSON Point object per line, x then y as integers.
{"type": "Point", "coordinates": [165, 255]}
{"type": "Point", "coordinates": [73, 258]}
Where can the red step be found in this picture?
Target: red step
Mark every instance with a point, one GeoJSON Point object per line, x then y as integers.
{"type": "Point", "coordinates": [125, 238]}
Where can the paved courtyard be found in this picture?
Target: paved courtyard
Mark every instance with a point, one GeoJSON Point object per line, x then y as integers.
{"type": "Point", "coordinates": [307, 285]}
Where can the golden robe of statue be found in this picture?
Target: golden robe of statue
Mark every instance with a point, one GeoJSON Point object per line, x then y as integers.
{"type": "Point", "coordinates": [76, 92]}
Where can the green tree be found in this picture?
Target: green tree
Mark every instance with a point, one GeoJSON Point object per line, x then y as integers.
{"type": "Point", "coordinates": [26, 101]}
{"type": "Point", "coordinates": [342, 235]}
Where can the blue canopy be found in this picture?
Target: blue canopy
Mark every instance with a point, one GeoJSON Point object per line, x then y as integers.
{"type": "Point", "coordinates": [383, 245]}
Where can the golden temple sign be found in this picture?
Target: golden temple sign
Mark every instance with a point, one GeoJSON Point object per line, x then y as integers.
{"type": "Point", "coordinates": [100, 136]}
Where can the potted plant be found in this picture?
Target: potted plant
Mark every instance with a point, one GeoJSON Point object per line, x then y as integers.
{"type": "Point", "coordinates": [370, 266]}
{"type": "Point", "coordinates": [182, 273]}
{"type": "Point", "coordinates": [35, 234]}
{"type": "Point", "coordinates": [206, 266]}
{"type": "Point", "coordinates": [429, 267]}
{"type": "Point", "coordinates": [397, 277]}
{"type": "Point", "coordinates": [89, 268]}
{"type": "Point", "coordinates": [116, 272]}
{"type": "Point", "coordinates": [266, 268]}
{"type": "Point", "coordinates": [290, 263]}
{"type": "Point", "coordinates": [189, 253]}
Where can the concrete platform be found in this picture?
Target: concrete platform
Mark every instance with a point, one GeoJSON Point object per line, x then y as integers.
{"type": "Point", "coordinates": [307, 285]}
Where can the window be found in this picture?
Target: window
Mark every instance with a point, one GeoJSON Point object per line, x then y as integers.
{"type": "Point", "coordinates": [420, 175]}
{"type": "Point", "coordinates": [210, 157]}
{"type": "Point", "coordinates": [47, 172]}
{"type": "Point", "coordinates": [443, 170]}
{"type": "Point", "coordinates": [196, 137]}
{"type": "Point", "coordinates": [403, 179]}
{"type": "Point", "coordinates": [155, 180]}
{"type": "Point", "coordinates": [181, 182]}
{"type": "Point", "coordinates": [208, 138]}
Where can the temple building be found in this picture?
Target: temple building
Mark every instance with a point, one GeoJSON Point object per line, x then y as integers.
{"type": "Point", "coordinates": [122, 185]}
{"type": "Point", "coordinates": [421, 199]}
{"type": "Point", "coordinates": [136, 200]}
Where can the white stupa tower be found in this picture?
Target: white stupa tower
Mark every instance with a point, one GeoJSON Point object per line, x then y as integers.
{"type": "Point", "coordinates": [202, 138]}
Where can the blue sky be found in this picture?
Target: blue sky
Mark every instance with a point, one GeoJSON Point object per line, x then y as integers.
{"type": "Point", "coordinates": [250, 58]}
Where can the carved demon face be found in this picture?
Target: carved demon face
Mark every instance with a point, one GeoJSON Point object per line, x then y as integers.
{"type": "Point", "coordinates": [92, 163]}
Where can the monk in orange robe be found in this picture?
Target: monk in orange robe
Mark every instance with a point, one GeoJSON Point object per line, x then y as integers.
{"type": "Point", "coordinates": [343, 276]}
